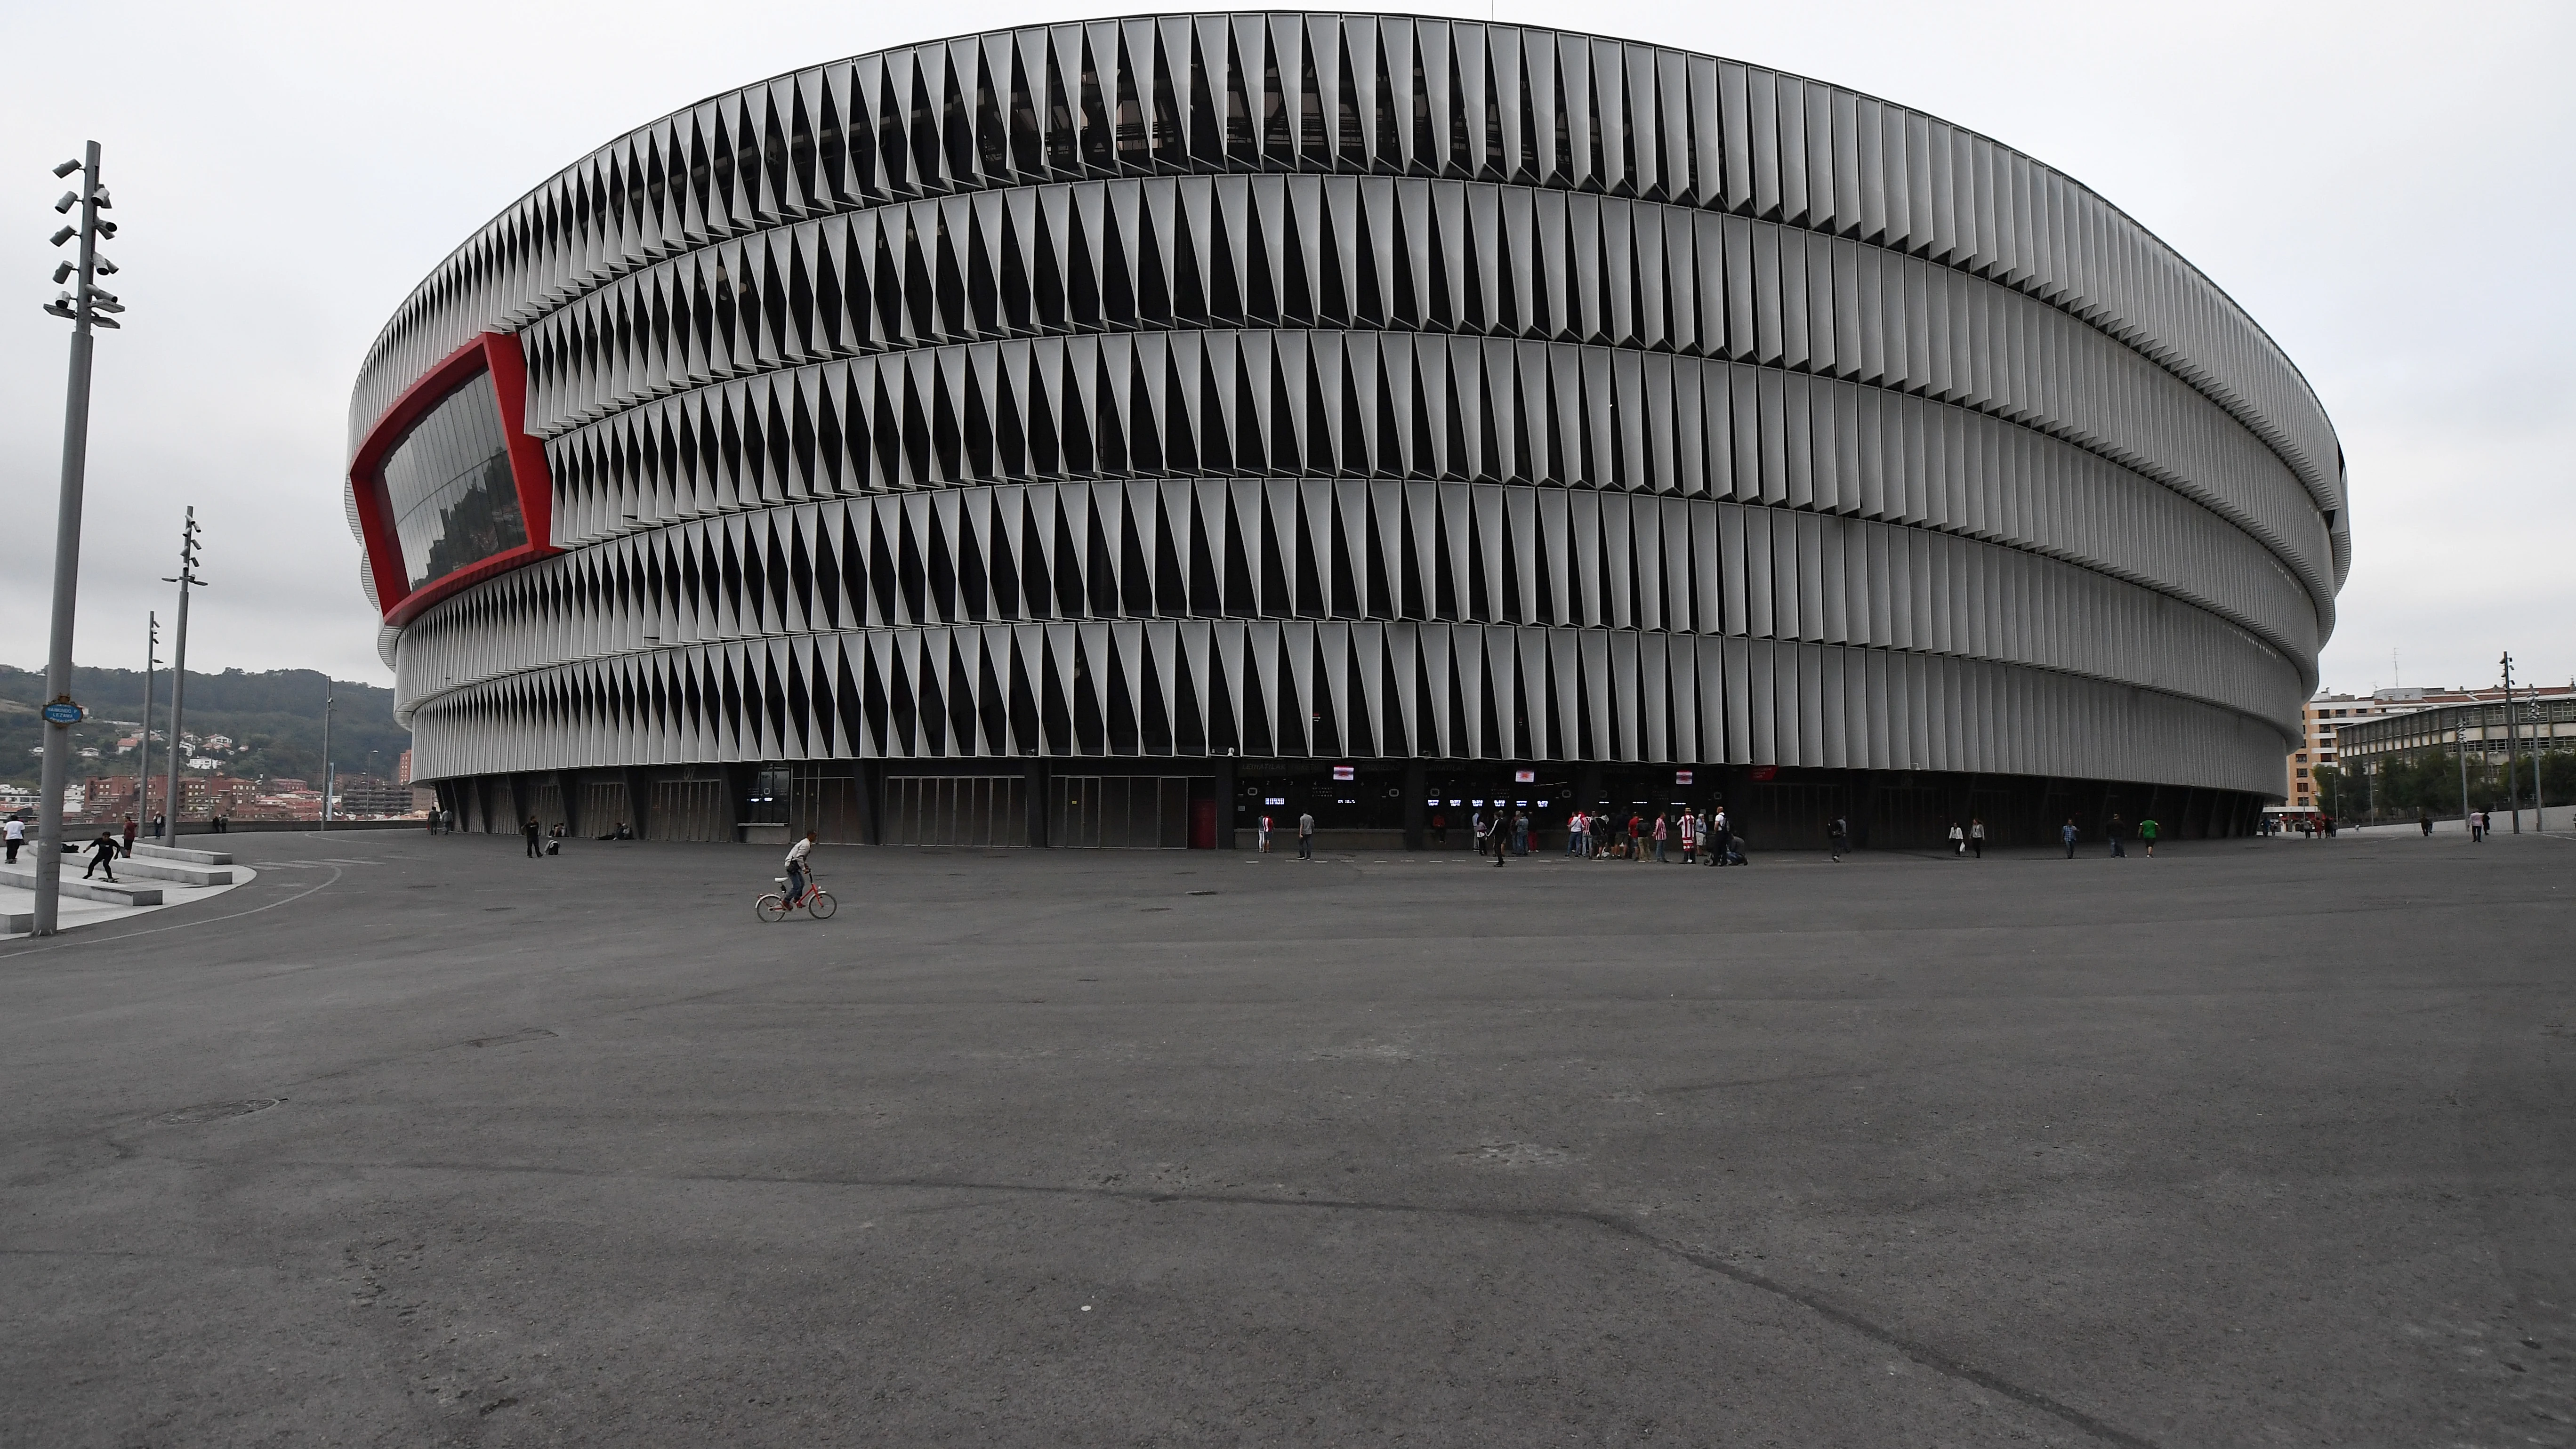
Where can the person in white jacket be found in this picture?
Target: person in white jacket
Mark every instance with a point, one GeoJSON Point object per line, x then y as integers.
{"type": "Point", "coordinates": [796, 880]}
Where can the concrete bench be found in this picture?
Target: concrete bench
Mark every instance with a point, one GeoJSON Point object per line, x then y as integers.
{"type": "Point", "coordinates": [182, 853]}
{"type": "Point", "coordinates": [118, 894]}
{"type": "Point", "coordinates": [195, 875]}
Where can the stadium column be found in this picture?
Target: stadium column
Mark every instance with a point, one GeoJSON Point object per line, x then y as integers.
{"type": "Point", "coordinates": [1225, 802]}
{"type": "Point", "coordinates": [1034, 791]}
{"type": "Point", "coordinates": [568, 794]}
{"type": "Point", "coordinates": [1417, 784]}
{"type": "Point", "coordinates": [738, 780]}
{"type": "Point", "coordinates": [865, 777]}
{"type": "Point", "coordinates": [522, 802]}
{"type": "Point", "coordinates": [639, 799]}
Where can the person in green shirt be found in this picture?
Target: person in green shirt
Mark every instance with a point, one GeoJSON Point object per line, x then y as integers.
{"type": "Point", "coordinates": [2147, 835]}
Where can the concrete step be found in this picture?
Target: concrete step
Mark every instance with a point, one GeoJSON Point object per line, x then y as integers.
{"type": "Point", "coordinates": [120, 894]}
{"type": "Point", "coordinates": [16, 923]}
{"type": "Point", "coordinates": [180, 852]}
{"type": "Point", "coordinates": [195, 875]}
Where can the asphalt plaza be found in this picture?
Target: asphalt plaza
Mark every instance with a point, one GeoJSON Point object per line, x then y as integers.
{"type": "Point", "coordinates": [415, 1141]}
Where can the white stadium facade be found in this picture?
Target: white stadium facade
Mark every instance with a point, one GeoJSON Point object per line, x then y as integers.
{"type": "Point", "coordinates": [1109, 433]}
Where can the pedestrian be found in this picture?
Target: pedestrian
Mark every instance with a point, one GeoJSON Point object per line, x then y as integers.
{"type": "Point", "coordinates": [13, 835]}
{"type": "Point", "coordinates": [1690, 838]}
{"type": "Point", "coordinates": [2118, 832]}
{"type": "Point", "coordinates": [1977, 837]}
{"type": "Point", "coordinates": [1439, 830]}
{"type": "Point", "coordinates": [129, 837]}
{"type": "Point", "coordinates": [1520, 832]}
{"type": "Point", "coordinates": [1477, 825]}
{"type": "Point", "coordinates": [102, 856]}
{"type": "Point", "coordinates": [1265, 835]}
{"type": "Point", "coordinates": [1306, 836]}
{"type": "Point", "coordinates": [2477, 826]}
{"type": "Point", "coordinates": [1574, 835]}
{"type": "Point", "coordinates": [2066, 833]}
{"type": "Point", "coordinates": [2424, 818]}
{"type": "Point", "coordinates": [1721, 833]}
{"type": "Point", "coordinates": [2147, 830]}
{"type": "Point", "coordinates": [1501, 837]}
{"type": "Point", "coordinates": [534, 833]}
{"type": "Point", "coordinates": [157, 827]}
{"type": "Point", "coordinates": [1838, 831]}
{"type": "Point", "coordinates": [1958, 840]}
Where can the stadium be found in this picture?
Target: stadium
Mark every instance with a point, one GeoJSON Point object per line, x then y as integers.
{"type": "Point", "coordinates": [1105, 434]}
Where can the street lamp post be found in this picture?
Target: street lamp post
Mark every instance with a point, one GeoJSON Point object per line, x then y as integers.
{"type": "Point", "coordinates": [2460, 748]}
{"type": "Point", "coordinates": [329, 700]}
{"type": "Point", "coordinates": [85, 310]}
{"type": "Point", "coordinates": [187, 578]}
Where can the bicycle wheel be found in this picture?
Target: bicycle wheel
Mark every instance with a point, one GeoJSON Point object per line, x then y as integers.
{"type": "Point", "coordinates": [771, 908]}
{"type": "Point", "coordinates": [822, 905]}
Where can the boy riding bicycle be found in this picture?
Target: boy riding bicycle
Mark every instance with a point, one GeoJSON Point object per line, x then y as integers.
{"type": "Point", "coordinates": [798, 881]}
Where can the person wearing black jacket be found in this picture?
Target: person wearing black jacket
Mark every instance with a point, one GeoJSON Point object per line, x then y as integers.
{"type": "Point", "coordinates": [102, 856]}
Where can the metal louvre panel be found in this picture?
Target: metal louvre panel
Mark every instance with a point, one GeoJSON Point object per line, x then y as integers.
{"type": "Point", "coordinates": [1650, 702]}
{"type": "Point", "coordinates": [620, 208]}
{"type": "Point", "coordinates": [912, 562]}
{"type": "Point", "coordinates": [941, 417]}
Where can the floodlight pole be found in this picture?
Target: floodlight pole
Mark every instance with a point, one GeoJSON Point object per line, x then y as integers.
{"type": "Point", "coordinates": [179, 672]}
{"type": "Point", "coordinates": [151, 667]}
{"type": "Point", "coordinates": [2512, 750]}
{"type": "Point", "coordinates": [56, 770]}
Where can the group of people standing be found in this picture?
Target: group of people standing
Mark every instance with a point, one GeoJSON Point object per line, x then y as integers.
{"type": "Point", "coordinates": [1702, 836]}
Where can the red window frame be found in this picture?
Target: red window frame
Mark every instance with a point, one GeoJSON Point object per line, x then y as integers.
{"type": "Point", "coordinates": [498, 354]}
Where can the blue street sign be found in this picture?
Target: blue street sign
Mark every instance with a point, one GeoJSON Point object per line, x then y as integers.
{"type": "Point", "coordinates": [62, 712]}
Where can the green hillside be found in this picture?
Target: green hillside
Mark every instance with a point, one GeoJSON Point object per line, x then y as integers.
{"type": "Point", "coordinates": [275, 718]}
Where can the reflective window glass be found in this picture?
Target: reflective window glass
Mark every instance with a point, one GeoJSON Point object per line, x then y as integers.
{"type": "Point", "coordinates": [448, 485]}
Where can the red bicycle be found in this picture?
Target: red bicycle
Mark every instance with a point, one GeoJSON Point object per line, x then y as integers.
{"type": "Point", "coordinates": [816, 901]}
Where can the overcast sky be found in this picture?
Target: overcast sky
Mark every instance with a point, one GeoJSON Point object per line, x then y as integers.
{"type": "Point", "coordinates": [2386, 189]}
